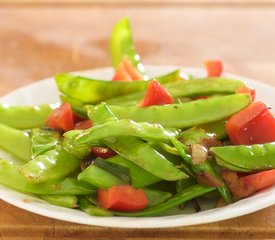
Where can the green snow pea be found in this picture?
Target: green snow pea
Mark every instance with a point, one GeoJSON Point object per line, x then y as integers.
{"type": "Point", "coordinates": [139, 177]}
{"type": "Point", "coordinates": [99, 177]}
{"type": "Point", "coordinates": [68, 201]}
{"type": "Point", "coordinates": [122, 44]}
{"type": "Point", "coordinates": [138, 151]}
{"type": "Point", "coordinates": [243, 158]}
{"type": "Point", "coordinates": [11, 178]}
{"type": "Point", "coordinates": [180, 198]}
{"type": "Point", "coordinates": [124, 127]}
{"type": "Point", "coordinates": [217, 127]}
{"type": "Point", "coordinates": [44, 140]}
{"type": "Point", "coordinates": [183, 88]}
{"type": "Point", "coordinates": [16, 142]}
{"type": "Point", "coordinates": [183, 115]}
{"type": "Point", "coordinates": [90, 91]}
{"type": "Point", "coordinates": [25, 117]}
{"type": "Point", "coordinates": [86, 206]}
{"type": "Point", "coordinates": [145, 156]}
{"type": "Point", "coordinates": [203, 167]}
{"type": "Point", "coordinates": [52, 165]}
{"type": "Point", "coordinates": [156, 197]}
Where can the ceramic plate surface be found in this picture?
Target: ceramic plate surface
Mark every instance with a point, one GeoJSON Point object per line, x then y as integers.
{"type": "Point", "coordinates": [45, 91]}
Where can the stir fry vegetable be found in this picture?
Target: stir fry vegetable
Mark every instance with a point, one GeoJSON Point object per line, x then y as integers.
{"type": "Point", "coordinates": [138, 146]}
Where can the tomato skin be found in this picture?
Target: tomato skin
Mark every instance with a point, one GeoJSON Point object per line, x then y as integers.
{"type": "Point", "coordinates": [126, 71]}
{"type": "Point", "coordinates": [122, 198]}
{"type": "Point", "coordinates": [85, 124]}
{"type": "Point", "coordinates": [214, 68]}
{"type": "Point", "coordinates": [253, 125]}
{"type": "Point", "coordinates": [155, 95]}
{"type": "Point", "coordinates": [247, 89]}
{"type": "Point", "coordinates": [61, 118]}
{"type": "Point", "coordinates": [103, 152]}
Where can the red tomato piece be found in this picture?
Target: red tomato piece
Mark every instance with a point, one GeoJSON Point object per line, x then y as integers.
{"type": "Point", "coordinates": [253, 125]}
{"type": "Point", "coordinates": [122, 198]}
{"type": "Point", "coordinates": [103, 152]}
{"type": "Point", "coordinates": [83, 125]}
{"type": "Point", "coordinates": [258, 181]}
{"type": "Point", "coordinates": [121, 74]}
{"type": "Point", "coordinates": [247, 89]}
{"type": "Point", "coordinates": [155, 95]}
{"type": "Point", "coordinates": [214, 68]}
{"type": "Point", "coordinates": [126, 71]}
{"type": "Point", "coordinates": [61, 118]}
{"type": "Point", "coordinates": [133, 72]}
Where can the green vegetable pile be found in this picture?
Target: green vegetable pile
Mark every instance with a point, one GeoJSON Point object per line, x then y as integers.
{"type": "Point", "coordinates": [175, 153]}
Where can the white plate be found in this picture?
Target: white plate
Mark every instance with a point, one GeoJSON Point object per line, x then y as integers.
{"type": "Point", "coordinates": [45, 91]}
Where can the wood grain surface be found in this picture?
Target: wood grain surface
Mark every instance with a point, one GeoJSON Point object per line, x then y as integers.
{"type": "Point", "coordinates": [38, 41]}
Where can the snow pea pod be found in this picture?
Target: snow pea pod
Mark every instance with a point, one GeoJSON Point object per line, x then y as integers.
{"type": "Point", "coordinates": [25, 117]}
{"type": "Point", "coordinates": [183, 88]}
{"type": "Point", "coordinates": [179, 198]}
{"type": "Point", "coordinates": [250, 158]}
{"type": "Point", "coordinates": [16, 142]}
{"type": "Point", "coordinates": [122, 44]}
{"type": "Point", "coordinates": [145, 156]}
{"type": "Point", "coordinates": [156, 197]}
{"type": "Point", "coordinates": [183, 115]}
{"type": "Point", "coordinates": [68, 201]}
{"type": "Point", "coordinates": [124, 127]}
{"type": "Point", "coordinates": [139, 177]}
{"type": "Point", "coordinates": [10, 177]}
{"type": "Point", "coordinates": [98, 177]}
{"type": "Point", "coordinates": [43, 140]}
{"type": "Point", "coordinates": [137, 151]}
{"type": "Point", "coordinates": [91, 91]}
{"type": "Point", "coordinates": [52, 165]}
{"type": "Point", "coordinates": [201, 168]}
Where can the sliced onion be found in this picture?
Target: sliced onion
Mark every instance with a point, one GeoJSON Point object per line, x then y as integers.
{"type": "Point", "coordinates": [198, 153]}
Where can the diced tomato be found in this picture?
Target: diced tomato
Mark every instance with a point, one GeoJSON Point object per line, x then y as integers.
{"type": "Point", "coordinates": [253, 125]}
{"type": "Point", "coordinates": [247, 89]}
{"type": "Point", "coordinates": [126, 71]}
{"type": "Point", "coordinates": [245, 186]}
{"type": "Point", "coordinates": [61, 118]}
{"type": "Point", "coordinates": [214, 68]}
{"type": "Point", "coordinates": [83, 125]}
{"type": "Point", "coordinates": [155, 95]}
{"type": "Point", "coordinates": [122, 198]}
{"type": "Point", "coordinates": [259, 181]}
{"type": "Point", "coordinates": [121, 74]}
{"type": "Point", "coordinates": [103, 152]}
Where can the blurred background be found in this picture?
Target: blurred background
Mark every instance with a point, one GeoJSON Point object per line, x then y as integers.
{"type": "Point", "coordinates": [39, 38]}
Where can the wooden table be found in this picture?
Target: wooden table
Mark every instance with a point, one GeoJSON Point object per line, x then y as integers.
{"type": "Point", "coordinates": [38, 40]}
